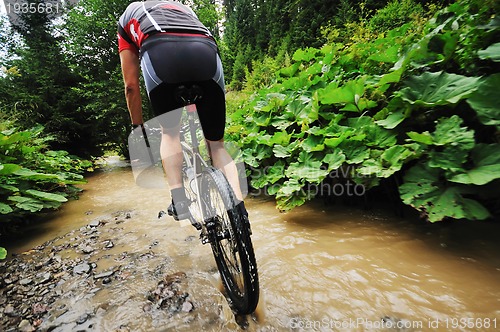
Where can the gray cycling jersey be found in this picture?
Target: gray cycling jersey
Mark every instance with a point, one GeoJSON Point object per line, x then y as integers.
{"type": "Point", "coordinates": [144, 18]}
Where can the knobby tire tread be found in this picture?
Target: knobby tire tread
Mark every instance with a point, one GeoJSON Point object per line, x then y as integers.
{"type": "Point", "coordinates": [246, 303]}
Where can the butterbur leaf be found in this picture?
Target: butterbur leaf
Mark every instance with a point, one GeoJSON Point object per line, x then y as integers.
{"type": "Point", "coordinates": [449, 131]}
{"type": "Point", "coordinates": [392, 121]}
{"type": "Point", "coordinates": [32, 175]}
{"type": "Point", "coordinates": [388, 55]}
{"type": "Point", "coordinates": [305, 55]}
{"type": "Point", "coordinates": [334, 160]}
{"type": "Point", "coordinates": [6, 169]}
{"type": "Point", "coordinates": [485, 100]}
{"type": "Point", "coordinates": [355, 152]}
{"type": "Point", "coordinates": [423, 191]}
{"type": "Point", "coordinates": [451, 158]}
{"type": "Point", "coordinates": [492, 52]}
{"type": "Point", "coordinates": [424, 137]}
{"type": "Point", "coordinates": [280, 137]}
{"type": "Point", "coordinates": [27, 203]}
{"type": "Point", "coordinates": [281, 152]}
{"type": "Point", "coordinates": [287, 203]}
{"type": "Point", "coordinates": [313, 143]}
{"type": "Point", "coordinates": [3, 253]}
{"type": "Point", "coordinates": [439, 88]}
{"type": "Point", "coordinates": [46, 196]}
{"type": "Point", "coordinates": [4, 208]}
{"type": "Point", "coordinates": [344, 94]}
{"type": "Point", "coordinates": [289, 187]}
{"type": "Point", "coordinates": [486, 160]}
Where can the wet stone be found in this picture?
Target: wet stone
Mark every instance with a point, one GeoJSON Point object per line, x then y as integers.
{"type": "Point", "coordinates": [87, 249]}
{"type": "Point", "coordinates": [104, 275]}
{"type": "Point", "coordinates": [95, 223]}
{"type": "Point", "coordinates": [81, 268]}
{"type": "Point", "coordinates": [106, 280]}
{"type": "Point", "coordinates": [25, 281]}
{"type": "Point", "coordinates": [82, 319]}
{"type": "Point", "coordinates": [25, 326]}
{"type": "Point", "coordinates": [187, 307]}
{"type": "Point", "coordinates": [46, 277]}
{"type": "Point", "coordinates": [108, 244]}
{"type": "Point", "coordinates": [9, 310]}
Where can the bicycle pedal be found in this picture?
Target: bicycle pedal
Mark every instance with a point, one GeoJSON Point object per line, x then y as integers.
{"type": "Point", "coordinates": [204, 238]}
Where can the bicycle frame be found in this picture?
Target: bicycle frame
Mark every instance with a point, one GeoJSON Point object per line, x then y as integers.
{"type": "Point", "coordinates": [198, 163]}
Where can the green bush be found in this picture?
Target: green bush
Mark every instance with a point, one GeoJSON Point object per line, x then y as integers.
{"type": "Point", "coordinates": [393, 107]}
{"type": "Point", "coordinates": [395, 14]}
{"type": "Point", "coordinates": [32, 177]}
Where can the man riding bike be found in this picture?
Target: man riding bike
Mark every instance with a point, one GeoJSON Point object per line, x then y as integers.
{"type": "Point", "coordinates": [168, 42]}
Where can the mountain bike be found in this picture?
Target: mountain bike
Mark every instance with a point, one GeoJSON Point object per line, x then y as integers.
{"type": "Point", "coordinates": [213, 212]}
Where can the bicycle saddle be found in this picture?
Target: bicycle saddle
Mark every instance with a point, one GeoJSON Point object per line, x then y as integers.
{"type": "Point", "coordinates": [188, 94]}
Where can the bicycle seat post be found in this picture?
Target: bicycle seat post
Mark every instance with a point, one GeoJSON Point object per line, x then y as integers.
{"type": "Point", "coordinates": [188, 95]}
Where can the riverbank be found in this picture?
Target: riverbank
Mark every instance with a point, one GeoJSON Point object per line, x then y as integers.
{"type": "Point", "coordinates": [53, 286]}
{"type": "Point", "coordinates": [318, 263]}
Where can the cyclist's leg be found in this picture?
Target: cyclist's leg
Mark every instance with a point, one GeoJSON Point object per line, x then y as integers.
{"type": "Point", "coordinates": [171, 156]}
{"type": "Point", "coordinates": [223, 161]}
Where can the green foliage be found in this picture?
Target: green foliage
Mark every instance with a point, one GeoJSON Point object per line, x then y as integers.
{"type": "Point", "coordinates": [395, 14]}
{"type": "Point", "coordinates": [369, 109]}
{"type": "Point", "coordinates": [33, 177]}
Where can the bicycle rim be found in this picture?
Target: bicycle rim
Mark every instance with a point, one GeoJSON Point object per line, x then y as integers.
{"type": "Point", "coordinates": [231, 243]}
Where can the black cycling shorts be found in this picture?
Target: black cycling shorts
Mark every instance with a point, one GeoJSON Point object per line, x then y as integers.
{"type": "Point", "coordinates": [168, 61]}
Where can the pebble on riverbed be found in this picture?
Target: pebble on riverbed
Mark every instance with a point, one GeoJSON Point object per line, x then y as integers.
{"type": "Point", "coordinates": [32, 282]}
{"type": "Point", "coordinates": [169, 294]}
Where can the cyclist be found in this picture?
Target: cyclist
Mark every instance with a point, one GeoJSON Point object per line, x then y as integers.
{"type": "Point", "coordinates": [171, 46]}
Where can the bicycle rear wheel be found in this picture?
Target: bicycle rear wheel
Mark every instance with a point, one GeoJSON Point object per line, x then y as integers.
{"type": "Point", "coordinates": [229, 234]}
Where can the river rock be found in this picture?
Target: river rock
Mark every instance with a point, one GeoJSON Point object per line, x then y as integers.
{"type": "Point", "coordinates": [187, 306]}
{"type": "Point", "coordinates": [95, 223]}
{"type": "Point", "coordinates": [25, 281]}
{"type": "Point", "coordinates": [9, 310]}
{"type": "Point", "coordinates": [25, 326]}
{"type": "Point", "coordinates": [82, 319]}
{"type": "Point", "coordinates": [81, 268]}
{"type": "Point", "coordinates": [106, 280]}
{"type": "Point", "coordinates": [104, 275]}
{"type": "Point", "coordinates": [46, 277]}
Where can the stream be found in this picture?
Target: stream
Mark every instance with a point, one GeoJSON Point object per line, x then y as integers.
{"type": "Point", "coordinates": [321, 268]}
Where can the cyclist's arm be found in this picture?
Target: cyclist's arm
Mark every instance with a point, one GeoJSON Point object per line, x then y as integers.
{"type": "Point", "coordinates": [131, 71]}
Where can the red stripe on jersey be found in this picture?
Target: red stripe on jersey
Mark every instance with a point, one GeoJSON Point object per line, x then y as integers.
{"type": "Point", "coordinates": [170, 6]}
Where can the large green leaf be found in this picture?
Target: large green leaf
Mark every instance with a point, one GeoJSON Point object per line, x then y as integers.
{"type": "Point", "coordinates": [344, 94]}
{"type": "Point", "coordinates": [307, 168]}
{"type": "Point", "coordinates": [334, 160]}
{"type": "Point", "coordinates": [392, 120]}
{"type": "Point", "coordinates": [485, 100]}
{"type": "Point", "coordinates": [7, 169]}
{"type": "Point", "coordinates": [450, 158]}
{"type": "Point", "coordinates": [272, 175]}
{"type": "Point", "coordinates": [4, 208]}
{"type": "Point", "coordinates": [422, 190]}
{"type": "Point", "coordinates": [46, 196]}
{"type": "Point", "coordinates": [486, 160]}
{"type": "Point", "coordinates": [389, 162]}
{"type": "Point", "coordinates": [32, 175]}
{"type": "Point", "coordinates": [438, 88]}
{"type": "Point", "coordinates": [492, 52]}
{"type": "Point", "coordinates": [313, 143]}
{"type": "Point", "coordinates": [27, 203]}
{"type": "Point", "coordinates": [450, 132]}
{"type": "Point", "coordinates": [3, 253]}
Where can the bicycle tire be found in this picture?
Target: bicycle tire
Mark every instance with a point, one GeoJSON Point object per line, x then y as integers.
{"type": "Point", "coordinates": [231, 243]}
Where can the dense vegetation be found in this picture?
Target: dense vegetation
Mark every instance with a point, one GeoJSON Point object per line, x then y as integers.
{"type": "Point", "coordinates": [344, 92]}
{"type": "Point", "coordinates": [413, 107]}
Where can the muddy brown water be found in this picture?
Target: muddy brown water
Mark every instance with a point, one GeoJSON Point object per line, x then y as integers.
{"type": "Point", "coordinates": [321, 268]}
